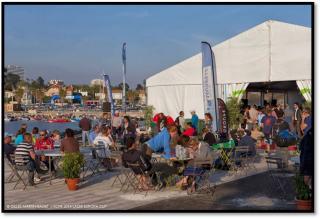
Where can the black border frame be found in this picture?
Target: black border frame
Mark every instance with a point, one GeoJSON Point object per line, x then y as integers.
{"type": "Point", "coordinates": [3, 4]}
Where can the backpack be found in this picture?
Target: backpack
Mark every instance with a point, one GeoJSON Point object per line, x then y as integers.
{"type": "Point", "coordinates": [286, 138]}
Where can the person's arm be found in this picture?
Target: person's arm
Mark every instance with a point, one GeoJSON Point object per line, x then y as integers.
{"type": "Point", "coordinates": [32, 154]}
{"type": "Point", "coordinates": [62, 146]}
{"type": "Point", "coordinates": [303, 124]}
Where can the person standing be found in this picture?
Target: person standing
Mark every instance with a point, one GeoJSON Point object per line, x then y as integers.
{"type": "Point", "coordinates": [253, 112]}
{"type": "Point", "coordinates": [306, 120]}
{"type": "Point", "coordinates": [208, 121]}
{"type": "Point", "coordinates": [267, 123]}
{"type": "Point", "coordinates": [288, 114]}
{"type": "Point", "coordinates": [116, 124]}
{"type": "Point", "coordinates": [307, 157]}
{"type": "Point", "coordinates": [180, 121]}
{"type": "Point", "coordinates": [194, 119]}
{"type": "Point", "coordinates": [297, 119]}
{"type": "Point", "coordinates": [85, 125]}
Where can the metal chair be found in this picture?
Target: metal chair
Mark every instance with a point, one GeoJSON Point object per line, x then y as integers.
{"type": "Point", "coordinates": [19, 171]}
{"type": "Point", "coordinates": [239, 160]}
{"type": "Point", "coordinates": [199, 177]}
{"type": "Point", "coordinates": [277, 173]}
{"type": "Point", "coordinates": [132, 179]}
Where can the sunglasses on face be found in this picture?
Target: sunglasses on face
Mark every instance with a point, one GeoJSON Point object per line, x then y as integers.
{"type": "Point", "coordinates": [42, 135]}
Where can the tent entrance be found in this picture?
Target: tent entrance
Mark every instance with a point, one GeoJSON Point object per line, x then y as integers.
{"type": "Point", "coordinates": [281, 92]}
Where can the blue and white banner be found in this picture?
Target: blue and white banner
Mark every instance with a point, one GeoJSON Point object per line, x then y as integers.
{"type": "Point", "coordinates": [209, 84]}
{"type": "Point", "coordinates": [107, 84]}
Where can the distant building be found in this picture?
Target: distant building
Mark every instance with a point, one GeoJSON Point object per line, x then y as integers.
{"type": "Point", "coordinates": [116, 94]}
{"type": "Point", "coordinates": [55, 82]}
{"type": "Point", "coordinates": [69, 90]}
{"type": "Point", "coordinates": [53, 90]}
{"type": "Point", "coordinates": [8, 94]}
{"type": "Point", "coordinates": [142, 97]}
{"type": "Point", "coordinates": [83, 93]}
{"type": "Point", "coordinates": [96, 82]}
{"type": "Point", "coordinates": [14, 69]}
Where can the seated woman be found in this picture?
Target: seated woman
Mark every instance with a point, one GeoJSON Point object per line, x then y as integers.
{"type": "Point", "coordinates": [56, 138]}
{"type": "Point", "coordinates": [69, 143]}
{"type": "Point", "coordinates": [106, 139]}
{"type": "Point", "coordinates": [134, 156]}
{"type": "Point", "coordinates": [208, 136]}
{"type": "Point", "coordinates": [189, 131]}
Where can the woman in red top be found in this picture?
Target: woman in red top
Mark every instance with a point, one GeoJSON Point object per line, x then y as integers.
{"type": "Point", "coordinates": [44, 142]}
{"type": "Point", "coordinates": [189, 131]}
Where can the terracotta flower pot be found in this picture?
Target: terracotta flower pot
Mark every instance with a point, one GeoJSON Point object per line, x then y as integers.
{"type": "Point", "coordinates": [73, 183]}
{"type": "Point", "coordinates": [304, 205]}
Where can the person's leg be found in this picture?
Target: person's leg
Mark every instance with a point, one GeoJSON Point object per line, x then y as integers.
{"type": "Point", "coordinates": [31, 168]}
{"type": "Point", "coordinates": [83, 138]}
{"type": "Point", "coordinates": [87, 134]}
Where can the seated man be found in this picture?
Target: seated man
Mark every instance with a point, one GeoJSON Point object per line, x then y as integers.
{"type": "Point", "coordinates": [25, 156]}
{"type": "Point", "coordinates": [247, 140]}
{"type": "Point", "coordinates": [160, 143]}
{"type": "Point", "coordinates": [94, 133]}
{"type": "Point", "coordinates": [45, 143]}
{"type": "Point", "coordinates": [134, 156]}
{"type": "Point", "coordinates": [8, 147]}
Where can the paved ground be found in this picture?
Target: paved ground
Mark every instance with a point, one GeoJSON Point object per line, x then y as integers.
{"type": "Point", "coordinates": [96, 193]}
{"type": "Point", "coordinates": [250, 193]}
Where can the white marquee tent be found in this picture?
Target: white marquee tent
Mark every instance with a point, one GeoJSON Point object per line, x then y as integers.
{"type": "Point", "coordinates": [271, 51]}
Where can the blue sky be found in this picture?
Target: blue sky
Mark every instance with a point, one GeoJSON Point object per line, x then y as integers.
{"type": "Point", "coordinates": [76, 43]}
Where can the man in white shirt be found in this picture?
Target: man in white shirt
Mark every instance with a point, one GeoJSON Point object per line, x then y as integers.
{"type": "Point", "coordinates": [116, 124]}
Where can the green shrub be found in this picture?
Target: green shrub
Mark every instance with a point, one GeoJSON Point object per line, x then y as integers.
{"type": "Point", "coordinates": [148, 116]}
{"type": "Point", "coordinates": [302, 190]}
{"type": "Point", "coordinates": [234, 115]}
{"type": "Point", "coordinates": [72, 164]}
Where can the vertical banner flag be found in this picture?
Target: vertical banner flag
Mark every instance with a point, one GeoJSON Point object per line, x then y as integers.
{"type": "Point", "coordinates": [124, 58]}
{"type": "Point", "coordinates": [107, 84]}
{"type": "Point", "coordinates": [209, 81]}
{"type": "Point", "coordinates": [223, 126]}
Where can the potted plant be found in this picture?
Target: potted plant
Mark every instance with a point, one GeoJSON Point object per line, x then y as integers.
{"type": "Point", "coordinates": [303, 194]}
{"type": "Point", "coordinates": [72, 164]}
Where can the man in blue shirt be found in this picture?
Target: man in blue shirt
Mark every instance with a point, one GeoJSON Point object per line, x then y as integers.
{"type": "Point", "coordinates": [160, 143]}
{"type": "Point", "coordinates": [194, 120]}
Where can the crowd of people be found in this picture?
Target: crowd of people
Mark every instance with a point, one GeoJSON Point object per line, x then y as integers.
{"type": "Point", "coordinates": [259, 127]}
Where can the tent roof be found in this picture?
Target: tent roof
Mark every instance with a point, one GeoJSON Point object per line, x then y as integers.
{"type": "Point", "coordinates": [271, 51]}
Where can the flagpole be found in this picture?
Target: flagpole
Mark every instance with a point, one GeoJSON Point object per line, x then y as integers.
{"type": "Point", "coordinates": [124, 77]}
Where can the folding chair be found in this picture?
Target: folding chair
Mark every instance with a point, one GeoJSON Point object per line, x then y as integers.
{"type": "Point", "coordinates": [199, 177]}
{"type": "Point", "coordinates": [19, 171]}
{"type": "Point", "coordinates": [132, 179]}
{"type": "Point", "coordinates": [121, 177]}
{"type": "Point", "coordinates": [238, 161]}
{"type": "Point", "coordinates": [277, 172]}
{"type": "Point", "coordinates": [11, 167]}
